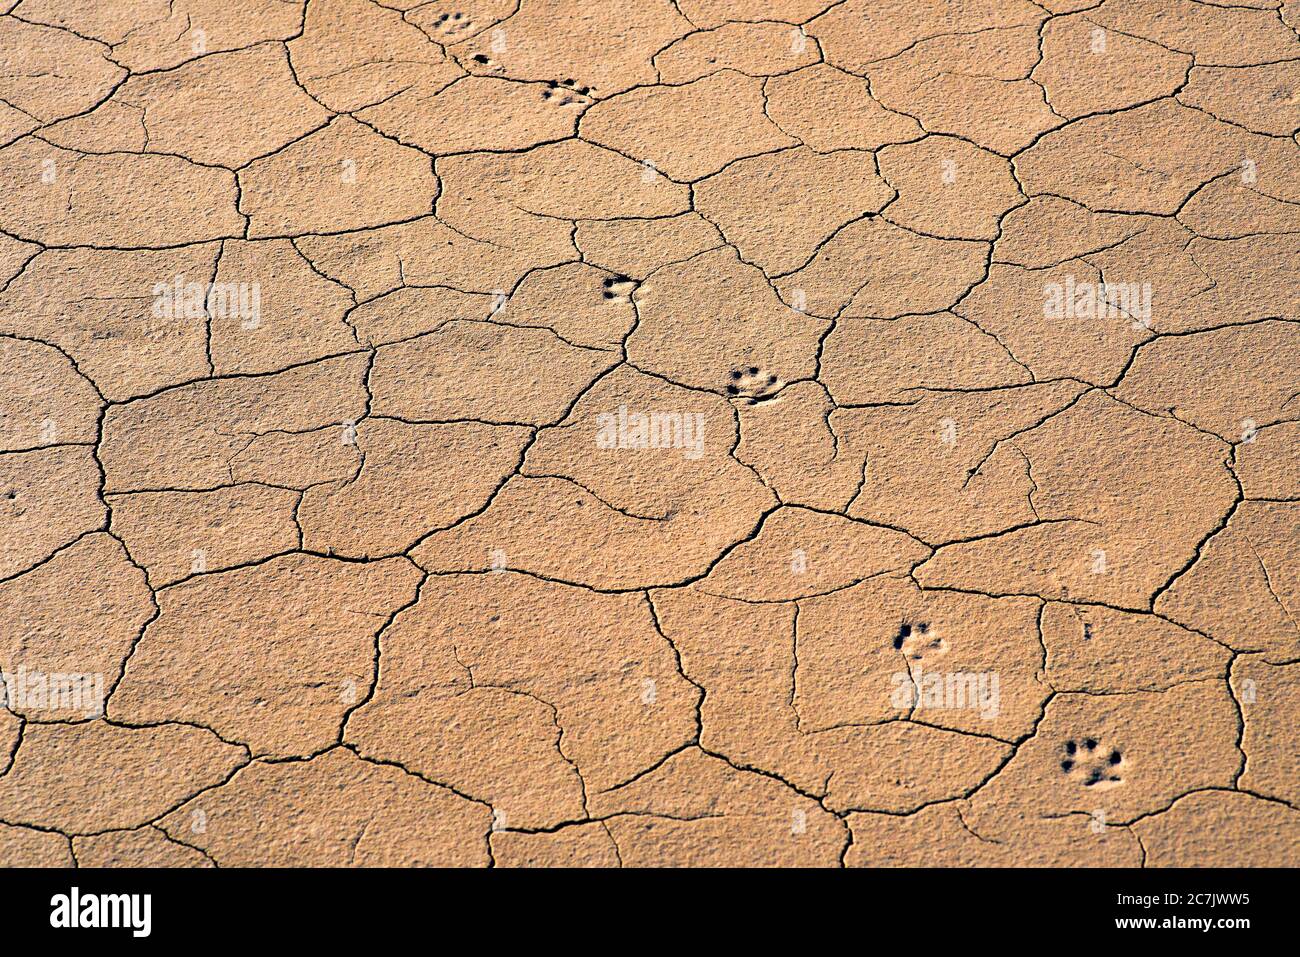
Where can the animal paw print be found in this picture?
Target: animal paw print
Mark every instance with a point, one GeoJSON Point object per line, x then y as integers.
{"type": "Point", "coordinates": [566, 92]}
{"type": "Point", "coordinates": [482, 61]}
{"type": "Point", "coordinates": [918, 642]}
{"type": "Point", "coordinates": [618, 289]}
{"type": "Point", "coordinates": [452, 24]}
{"type": "Point", "coordinates": [752, 384]}
{"type": "Point", "coordinates": [1092, 763]}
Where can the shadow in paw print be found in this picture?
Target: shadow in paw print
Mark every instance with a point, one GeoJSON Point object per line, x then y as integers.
{"type": "Point", "coordinates": [1092, 763]}
{"type": "Point", "coordinates": [918, 642]}
{"type": "Point", "coordinates": [618, 289]}
{"type": "Point", "coordinates": [566, 92]}
{"type": "Point", "coordinates": [753, 385]}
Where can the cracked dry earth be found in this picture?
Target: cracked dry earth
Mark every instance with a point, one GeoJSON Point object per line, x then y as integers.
{"type": "Point", "coordinates": [648, 433]}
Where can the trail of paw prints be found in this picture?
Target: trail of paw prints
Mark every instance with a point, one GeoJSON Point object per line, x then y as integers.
{"type": "Point", "coordinates": [618, 289]}
{"type": "Point", "coordinates": [918, 642]}
{"type": "Point", "coordinates": [566, 92]}
{"type": "Point", "coordinates": [753, 385]}
{"type": "Point", "coordinates": [1092, 764]}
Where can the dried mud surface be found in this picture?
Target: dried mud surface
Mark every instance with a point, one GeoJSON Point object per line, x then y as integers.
{"type": "Point", "coordinates": [332, 334]}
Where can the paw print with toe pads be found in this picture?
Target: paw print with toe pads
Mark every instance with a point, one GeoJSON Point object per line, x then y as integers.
{"type": "Point", "coordinates": [919, 641]}
{"type": "Point", "coordinates": [566, 92]}
{"type": "Point", "coordinates": [1091, 763]}
{"type": "Point", "coordinates": [452, 25]}
{"type": "Point", "coordinates": [753, 384]}
{"type": "Point", "coordinates": [618, 289]}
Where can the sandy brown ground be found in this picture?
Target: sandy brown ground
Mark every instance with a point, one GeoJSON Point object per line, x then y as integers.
{"type": "Point", "coordinates": [650, 433]}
